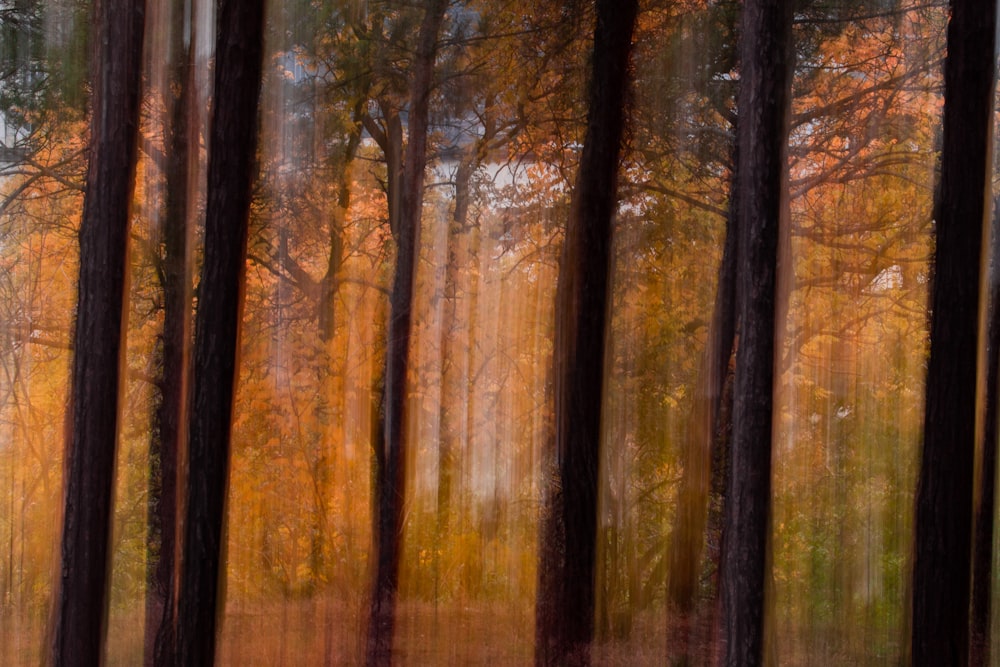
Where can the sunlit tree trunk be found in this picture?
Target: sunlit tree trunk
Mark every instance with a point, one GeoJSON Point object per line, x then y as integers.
{"type": "Point", "coordinates": [451, 430]}
{"type": "Point", "coordinates": [90, 457]}
{"type": "Point", "coordinates": [231, 168]}
{"type": "Point", "coordinates": [943, 525]}
{"type": "Point", "coordinates": [763, 107]}
{"type": "Point", "coordinates": [564, 623]}
{"type": "Point", "coordinates": [405, 204]}
{"type": "Point", "coordinates": [982, 554]}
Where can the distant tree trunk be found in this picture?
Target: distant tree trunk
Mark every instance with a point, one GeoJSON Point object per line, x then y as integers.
{"type": "Point", "coordinates": [405, 205]}
{"type": "Point", "coordinates": [763, 108]}
{"type": "Point", "coordinates": [943, 527]}
{"type": "Point", "coordinates": [982, 554]}
{"type": "Point", "coordinates": [169, 414]}
{"type": "Point", "coordinates": [564, 623]}
{"type": "Point", "coordinates": [231, 168]}
{"type": "Point", "coordinates": [90, 457]}
{"type": "Point", "coordinates": [450, 427]}
{"type": "Point", "coordinates": [706, 461]}
{"type": "Point", "coordinates": [330, 282]}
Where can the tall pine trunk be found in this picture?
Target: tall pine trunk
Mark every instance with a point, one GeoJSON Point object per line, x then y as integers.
{"type": "Point", "coordinates": [81, 602]}
{"type": "Point", "coordinates": [943, 527]}
{"type": "Point", "coordinates": [564, 625]}
{"type": "Point", "coordinates": [231, 167]}
{"type": "Point", "coordinates": [763, 106]}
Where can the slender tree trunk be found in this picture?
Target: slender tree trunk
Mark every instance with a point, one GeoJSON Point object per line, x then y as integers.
{"type": "Point", "coordinates": [331, 279]}
{"type": "Point", "coordinates": [169, 414]}
{"type": "Point", "coordinates": [982, 555]}
{"type": "Point", "coordinates": [763, 108]}
{"type": "Point", "coordinates": [564, 625]}
{"type": "Point", "coordinates": [941, 565]}
{"type": "Point", "coordinates": [390, 454]}
{"type": "Point", "coordinates": [90, 458]}
{"type": "Point", "coordinates": [707, 451]}
{"type": "Point", "coordinates": [231, 168]}
{"type": "Point", "coordinates": [452, 373]}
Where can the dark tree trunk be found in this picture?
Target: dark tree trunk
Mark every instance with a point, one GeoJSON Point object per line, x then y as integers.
{"type": "Point", "coordinates": [943, 527]}
{"type": "Point", "coordinates": [90, 457]}
{"type": "Point", "coordinates": [564, 623]}
{"type": "Point", "coordinates": [231, 168]}
{"type": "Point", "coordinates": [982, 554]}
{"type": "Point", "coordinates": [405, 204]}
{"type": "Point", "coordinates": [169, 415]}
{"type": "Point", "coordinates": [763, 108]}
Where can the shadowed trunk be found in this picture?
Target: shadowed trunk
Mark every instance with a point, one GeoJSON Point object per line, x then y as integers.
{"type": "Point", "coordinates": [231, 168]}
{"type": "Point", "coordinates": [405, 205]}
{"type": "Point", "coordinates": [81, 601]}
{"type": "Point", "coordinates": [943, 524]}
{"type": "Point", "coordinates": [169, 413]}
{"type": "Point", "coordinates": [564, 625]}
{"type": "Point", "coordinates": [763, 107]}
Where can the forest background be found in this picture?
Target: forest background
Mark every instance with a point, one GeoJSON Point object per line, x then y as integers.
{"type": "Point", "coordinates": [505, 124]}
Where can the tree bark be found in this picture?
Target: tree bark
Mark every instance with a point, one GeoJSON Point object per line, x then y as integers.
{"type": "Point", "coordinates": [405, 205]}
{"type": "Point", "coordinates": [231, 169]}
{"type": "Point", "coordinates": [763, 107]}
{"type": "Point", "coordinates": [564, 623]}
{"type": "Point", "coordinates": [982, 548]}
{"type": "Point", "coordinates": [90, 458]}
{"type": "Point", "coordinates": [169, 413]}
{"type": "Point", "coordinates": [943, 526]}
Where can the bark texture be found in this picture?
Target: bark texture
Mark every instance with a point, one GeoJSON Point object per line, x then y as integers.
{"type": "Point", "coordinates": [231, 168]}
{"type": "Point", "coordinates": [943, 527]}
{"type": "Point", "coordinates": [90, 458]}
{"type": "Point", "coordinates": [565, 607]}
{"type": "Point", "coordinates": [763, 107]}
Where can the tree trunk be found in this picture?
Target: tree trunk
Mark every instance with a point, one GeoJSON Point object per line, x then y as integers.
{"type": "Point", "coordinates": [405, 204]}
{"type": "Point", "coordinates": [763, 108]}
{"type": "Point", "coordinates": [169, 413]}
{"type": "Point", "coordinates": [90, 458]}
{"type": "Point", "coordinates": [982, 554]}
{"type": "Point", "coordinates": [564, 623]}
{"type": "Point", "coordinates": [707, 450]}
{"type": "Point", "coordinates": [231, 167]}
{"type": "Point", "coordinates": [943, 526]}
{"type": "Point", "coordinates": [331, 279]}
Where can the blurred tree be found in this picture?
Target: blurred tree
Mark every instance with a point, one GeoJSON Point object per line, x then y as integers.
{"type": "Point", "coordinates": [567, 554]}
{"type": "Point", "coordinates": [942, 557]}
{"type": "Point", "coordinates": [763, 104]}
{"type": "Point", "coordinates": [404, 193]}
{"type": "Point", "coordinates": [231, 168]}
{"type": "Point", "coordinates": [172, 271]}
{"type": "Point", "coordinates": [985, 502]}
{"type": "Point", "coordinates": [81, 600]}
